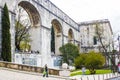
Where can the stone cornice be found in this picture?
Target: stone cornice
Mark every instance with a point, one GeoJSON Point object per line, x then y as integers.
{"type": "Point", "coordinates": [68, 20]}
{"type": "Point", "coordinates": [77, 41]}
{"type": "Point", "coordinates": [9, 10]}
{"type": "Point", "coordinates": [46, 27]}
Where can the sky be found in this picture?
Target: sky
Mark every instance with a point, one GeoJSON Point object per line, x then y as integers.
{"type": "Point", "coordinates": [87, 10]}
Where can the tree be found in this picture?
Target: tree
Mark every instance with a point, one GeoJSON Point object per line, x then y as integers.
{"type": "Point", "coordinates": [21, 34]}
{"type": "Point", "coordinates": [91, 60]}
{"type": "Point", "coordinates": [69, 52]}
{"type": "Point", "coordinates": [6, 36]}
{"type": "Point", "coordinates": [22, 28]}
{"type": "Point", "coordinates": [100, 36]}
{"type": "Point", "coordinates": [24, 46]}
{"type": "Point", "coordinates": [94, 60]}
{"type": "Point", "coordinates": [80, 60]}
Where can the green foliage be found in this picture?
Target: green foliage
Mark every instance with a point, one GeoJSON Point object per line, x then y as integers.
{"type": "Point", "coordinates": [91, 60]}
{"type": "Point", "coordinates": [69, 53]}
{"type": "Point", "coordinates": [105, 45]}
{"type": "Point", "coordinates": [21, 35]}
{"type": "Point", "coordinates": [79, 72]}
{"type": "Point", "coordinates": [80, 60]}
{"type": "Point", "coordinates": [114, 51]}
{"type": "Point", "coordinates": [94, 60]}
{"type": "Point", "coordinates": [24, 46]}
{"type": "Point", "coordinates": [22, 27]}
{"type": "Point", "coordinates": [6, 37]}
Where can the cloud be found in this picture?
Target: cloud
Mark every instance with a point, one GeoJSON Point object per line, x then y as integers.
{"type": "Point", "coordinates": [85, 10]}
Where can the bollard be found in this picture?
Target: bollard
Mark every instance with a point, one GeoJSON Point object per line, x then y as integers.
{"type": "Point", "coordinates": [87, 78]}
{"type": "Point", "coordinates": [98, 77]}
{"type": "Point", "coordinates": [81, 78]}
{"type": "Point", "coordinates": [103, 76]}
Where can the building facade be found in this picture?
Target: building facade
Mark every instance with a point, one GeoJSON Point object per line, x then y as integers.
{"type": "Point", "coordinates": [89, 38]}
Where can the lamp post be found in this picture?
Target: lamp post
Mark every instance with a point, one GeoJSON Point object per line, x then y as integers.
{"type": "Point", "coordinates": [119, 46]}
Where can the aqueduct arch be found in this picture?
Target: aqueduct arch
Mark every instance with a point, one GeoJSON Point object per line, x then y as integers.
{"type": "Point", "coordinates": [57, 35]}
{"type": "Point", "coordinates": [42, 13]}
{"type": "Point", "coordinates": [34, 17]}
{"type": "Point", "coordinates": [32, 12]}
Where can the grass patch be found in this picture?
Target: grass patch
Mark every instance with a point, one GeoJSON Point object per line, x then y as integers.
{"type": "Point", "coordinates": [103, 71]}
{"type": "Point", "coordinates": [79, 72]}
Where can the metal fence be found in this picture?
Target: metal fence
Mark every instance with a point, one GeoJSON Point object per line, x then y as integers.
{"type": "Point", "coordinates": [96, 77]}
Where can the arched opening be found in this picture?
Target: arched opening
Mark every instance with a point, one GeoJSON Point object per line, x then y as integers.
{"type": "Point", "coordinates": [56, 37]}
{"type": "Point", "coordinates": [34, 24]}
{"type": "Point", "coordinates": [32, 12]}
{"type": "Point", "coordinates": [70, 36]}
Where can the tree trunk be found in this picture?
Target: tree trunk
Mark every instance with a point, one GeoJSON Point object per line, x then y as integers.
{"type": "Point", "coordinates": [92, 71]}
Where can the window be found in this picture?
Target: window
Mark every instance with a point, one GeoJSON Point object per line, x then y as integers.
{"type": "Point", "coordinates": [87, 30]}
{"type": "Point", "coordinates": [94, 40]}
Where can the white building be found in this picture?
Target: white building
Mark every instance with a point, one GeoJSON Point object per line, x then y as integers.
{"type": "Point", "coordinates": [89, 39]}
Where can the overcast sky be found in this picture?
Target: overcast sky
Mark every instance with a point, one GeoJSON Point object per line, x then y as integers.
{"type": "Point", "coordinates": [87, 10]}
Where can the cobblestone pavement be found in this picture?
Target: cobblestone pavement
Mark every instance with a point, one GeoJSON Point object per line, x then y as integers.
{"type": "Point", "coordinates": [6, 74]}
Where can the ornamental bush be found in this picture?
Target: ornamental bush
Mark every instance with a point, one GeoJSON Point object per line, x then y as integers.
{"type": "Point", "coordinates": [6, 37]}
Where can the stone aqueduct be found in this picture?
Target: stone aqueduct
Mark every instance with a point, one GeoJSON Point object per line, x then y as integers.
{"type": "Point", "coordinates": [43, 15]}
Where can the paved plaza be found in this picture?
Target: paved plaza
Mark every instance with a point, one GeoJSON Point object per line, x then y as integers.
{"type": "Point", "coordinates": [9, 74]}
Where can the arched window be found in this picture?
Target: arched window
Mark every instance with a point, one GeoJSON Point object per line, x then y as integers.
{"type": "Point", "coordinates": [56, 37]}
{"type": "Point", "coordinates": [70, 36]}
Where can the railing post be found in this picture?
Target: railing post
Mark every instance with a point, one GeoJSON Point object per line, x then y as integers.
{"type": "Point", "coordinates": [87, 78]}
{"type": "Point", "coordinates": [94, 77]}
{"type": "Point", "coordinates": [81, 78]}
{"type": "Point", "coordinates": [98, 77]}
{"type": "Point", "coordinates": [103, 76]}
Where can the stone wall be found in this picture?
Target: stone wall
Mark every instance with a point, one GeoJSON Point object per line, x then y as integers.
{"type": "Point", "coordinates": [27, 68]}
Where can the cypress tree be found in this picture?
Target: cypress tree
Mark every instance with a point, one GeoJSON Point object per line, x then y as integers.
{"type": "Point", "coordinates": [52, 40]}
{"type": "Point", "coordinates": [6, 37]}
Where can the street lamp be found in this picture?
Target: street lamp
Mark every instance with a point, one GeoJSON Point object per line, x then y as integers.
{"type": "Point", "coordinates": [119, 46]}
